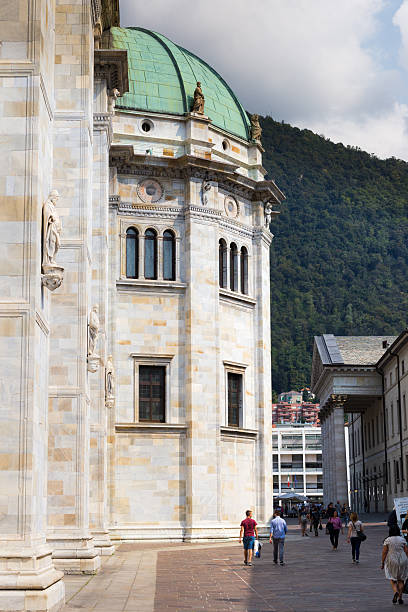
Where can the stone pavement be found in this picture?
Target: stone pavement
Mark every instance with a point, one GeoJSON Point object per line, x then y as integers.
{"type": "Point", "coordinates": [158, 577]}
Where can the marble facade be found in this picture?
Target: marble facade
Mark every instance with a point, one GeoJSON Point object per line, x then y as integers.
{"type": "Point", "coordinates": [79, 470]}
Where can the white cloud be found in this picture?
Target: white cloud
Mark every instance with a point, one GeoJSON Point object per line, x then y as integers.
{"type": "Point", "coordinates": [401, 21]}
{"type": "Point", "coordinates": [386, 135]}
{"type": "Point", "coordinates": [309, 62]}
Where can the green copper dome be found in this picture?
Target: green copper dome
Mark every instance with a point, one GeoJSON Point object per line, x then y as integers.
{"type": "Point", "coordinates": [163, 76]}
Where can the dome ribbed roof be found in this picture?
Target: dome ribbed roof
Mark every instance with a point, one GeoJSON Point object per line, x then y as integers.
{"type": "Point", "coordinates": [163, 76]}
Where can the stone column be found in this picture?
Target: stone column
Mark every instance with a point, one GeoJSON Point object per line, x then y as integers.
{"type": "Point", "coordinates": [28, 578]}
{"type": "Point", "coordinates": [339, 449]}
{"type": "Point", "coordinates": [325, 463]}
{"type": "Point", "coordinates": [331, 455]}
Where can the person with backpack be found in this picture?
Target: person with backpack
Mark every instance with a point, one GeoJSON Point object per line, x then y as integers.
{"type": "Point", "coordinates": [302, 516]}
{"type": "Point", "coordinates": [355, 536]}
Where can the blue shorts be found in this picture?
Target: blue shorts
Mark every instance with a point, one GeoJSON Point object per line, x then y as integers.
{"type": "Point", "coordinates": [249, 542]}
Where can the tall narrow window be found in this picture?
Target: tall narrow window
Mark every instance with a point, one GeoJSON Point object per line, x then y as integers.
{"type": "Point", "coordinates": [222, 263]}
{"type": "Point", "coordinates": [244, 270]}
{"type": "Point", "coordinates": [233, 267]}
{"type": "Point", "coordinates": [234, 399]}
{"type": "Point", "coordinates": [404, 405]}
{"type": "Point", "coordinates": [150, 262]}
{"type": "Point", "coordinates": [151, 393]}
{"type": "Point", "coordinates": [392, 419]}
{"type": "Point", "coordinates": [132, 253]}
{"type": "Point", "coordinates": [169, 256]}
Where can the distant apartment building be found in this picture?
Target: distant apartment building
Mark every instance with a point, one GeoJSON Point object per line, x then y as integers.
{"type": "Point", "coordinates": [290, 397]}
{"type": "Point", "coordinates": [291, 409]}
{"type": "Point", "coordinates": [297, 460]}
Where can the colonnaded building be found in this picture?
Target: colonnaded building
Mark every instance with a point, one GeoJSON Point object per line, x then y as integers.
{"type": "Point", "coordinates": [135, 298]}
{"type": "Point", "coordinates": [362, 382]}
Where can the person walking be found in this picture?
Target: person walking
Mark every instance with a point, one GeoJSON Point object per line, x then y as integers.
{"type": "Point", "coordinates": [337, 507]}
{"type": "Point", "coordinates": [394, 562]}
{"type": "Point", "coordinates": [334, 529]}
{"type": "Point", "coordinates": [405, 528]}
{"type": "Point", "coordinates": [302, 516]}
{"type": "Point", "coordinates": [354, 536]}
{"type": "Point", "coordinates": [249, 531]}
{"type": "Point", "coordinates": [330, 510]}
{"type": "Point", "coordinates": [315, 520]}
{"type": "Point", "coordinates": [278, 532]}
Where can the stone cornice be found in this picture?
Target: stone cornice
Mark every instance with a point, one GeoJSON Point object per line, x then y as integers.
{"type": "Point", "coordinates": [128, 162]}
{"type": "Point", "coordinates": [103, 121]}
{"type": "Point", "coordinates": [237, 432]}
{"type": "Point", "coordinates": [112, 65]}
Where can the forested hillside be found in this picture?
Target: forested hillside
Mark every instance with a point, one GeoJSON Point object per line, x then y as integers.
{"type": "Point", "coordinates": [340, 253]}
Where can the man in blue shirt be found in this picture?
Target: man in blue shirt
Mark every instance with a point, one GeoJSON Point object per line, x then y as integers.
{"type": "Point", "coordinates": [278, 533]}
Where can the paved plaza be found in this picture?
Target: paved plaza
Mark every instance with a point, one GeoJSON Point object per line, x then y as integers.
{"type": "Point", "coordinates": [154, 577]}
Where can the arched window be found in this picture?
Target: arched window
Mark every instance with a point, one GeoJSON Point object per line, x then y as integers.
{"type": "Point", "coordinates": [169, 256]}
{"type": "Point", "coordinates": [132, 253]}
{"type": "Point", "coordinates": [150, 254]}
{"type": "Point", "coordinates": [222, 264]}
{"type": "Point", "coordinates": [244, 270]}
{"type": "Point", "coordinates": [233, 267]}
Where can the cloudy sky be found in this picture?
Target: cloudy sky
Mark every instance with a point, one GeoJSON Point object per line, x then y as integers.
{"type": "Point", "coordinates": [337, 67]}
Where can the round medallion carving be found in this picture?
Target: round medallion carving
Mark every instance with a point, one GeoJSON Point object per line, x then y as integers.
{"type": "Point", "coordinates": [150, 191]}
{"type": "Point", "coordinates": [231, 207]}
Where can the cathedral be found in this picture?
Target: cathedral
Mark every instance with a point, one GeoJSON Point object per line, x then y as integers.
{"type": "Point", "coordinates": [134, 297]}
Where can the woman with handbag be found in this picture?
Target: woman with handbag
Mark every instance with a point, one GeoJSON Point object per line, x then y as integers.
{"type": "Point", "coordinates": [355, 536]}
{"type": "Point", "coordinates": [394, 562]}
{"type": "Point", "coordinates": [334, 525]}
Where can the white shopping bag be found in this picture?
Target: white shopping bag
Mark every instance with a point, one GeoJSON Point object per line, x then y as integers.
{"type": "Point", "coordinates": [257, 548]}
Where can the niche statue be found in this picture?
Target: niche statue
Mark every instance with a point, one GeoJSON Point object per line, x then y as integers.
{"type": "Point", "coordinates": [109, 383]}
{"type": "Point", "coordinates": [198, 102]}
{"type": "Point", "coordinates": [52, 273]}
{"type": "Point", "coordinates": [94, 326]}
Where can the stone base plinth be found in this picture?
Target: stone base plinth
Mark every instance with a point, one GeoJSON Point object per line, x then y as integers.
{"type": "Point", "coordinates": [151, 533]}
{"type": "Point", "coordinates": [78, 566]}
{"type": "Point", "coordinates": [50, 599]}
{"type": "Point", "coordinates": [75, 555]}
{"type": "Point", "coordinates": [102, 543]}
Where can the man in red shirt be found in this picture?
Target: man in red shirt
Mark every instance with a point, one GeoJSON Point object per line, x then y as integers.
{"type": "Point", "coordinates": [249, 531]}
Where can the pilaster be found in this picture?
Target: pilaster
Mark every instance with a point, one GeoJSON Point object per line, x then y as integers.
{"type": "Point", "coordinates": [28, 578]}
{"type": "Point", "coordinates": [69, 392]}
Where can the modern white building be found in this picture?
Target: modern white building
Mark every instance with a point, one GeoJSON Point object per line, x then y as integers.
{"type": "Point", "coordinates": [297, 461]}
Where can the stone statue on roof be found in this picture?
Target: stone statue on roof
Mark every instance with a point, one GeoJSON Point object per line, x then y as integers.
{"type": "Point", "coordinates": [113, 95]}
{"type": "Point", "coordinates": [256, 130]}
{"type": "Point", "coordinates": [198, 102]}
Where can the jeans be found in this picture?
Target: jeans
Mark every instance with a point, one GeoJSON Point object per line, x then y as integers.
{"type": "Point", "coordinates": [278, 543]}
{"type": "Point", "coordinates": [355, 548]}
{"type": "Point", "coordinates": [334, 537]}
{"type": "Point", "coordinates": [316, 528]}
